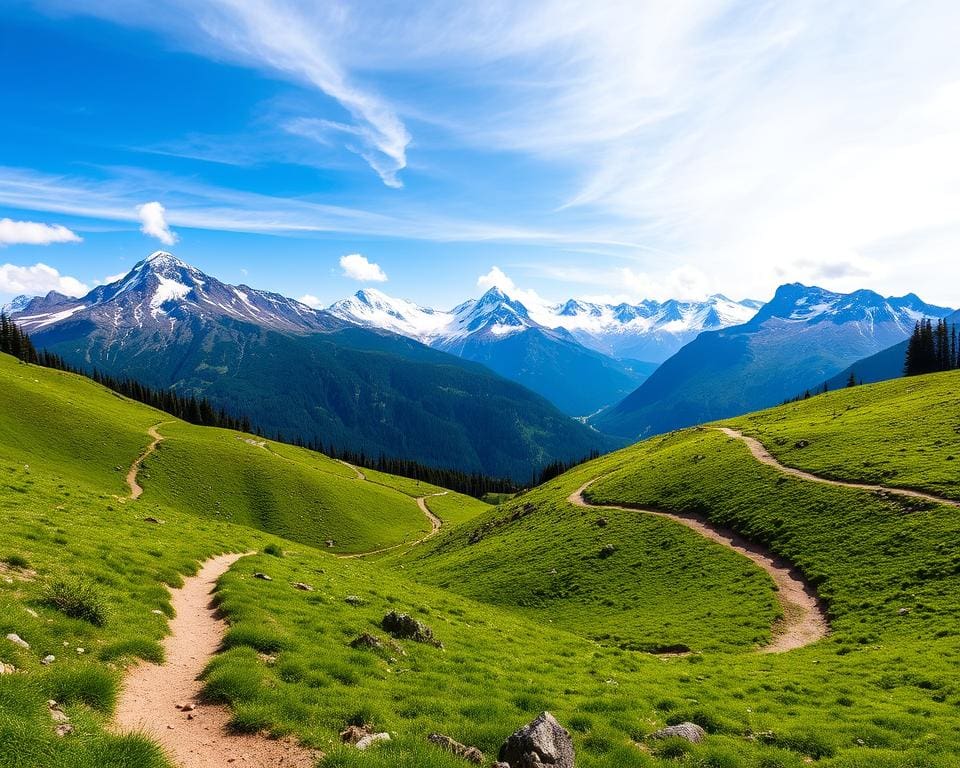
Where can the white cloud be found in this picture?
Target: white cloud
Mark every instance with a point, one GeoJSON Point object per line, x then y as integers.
{"type": "Point", "coordinates": [153, 222]}
{"type": "Point", "coordinates": [33, 233]}
{"type": "Point", "coordinates": [38, 280]}
{"type": "Point", "coordinates": [311, 301]}
{"type": "Point", "coordinates": [358, 267]}
{"type": "Point", "coordinates": [497, 278]}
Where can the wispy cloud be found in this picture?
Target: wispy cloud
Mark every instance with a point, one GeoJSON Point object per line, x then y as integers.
{"type": "Point", "coordinates": [358, 267]}
{"type": "Point", "coordinates": [34, 233]}
{"type": "Point", "coordinates": [36, 280]}
{"type": "Point", "coordinates": [153, 223]}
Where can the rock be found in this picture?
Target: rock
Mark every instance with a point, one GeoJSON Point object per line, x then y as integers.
{"type": "Point", "coordinates": [372, 738]}
{"type": "Point", "coordinates": [903, 611]}
{"type": "Point", "coordinates": [302, 586]}
{"type": "Point", "coordinates": [688, 731]}
{"type": "Point", "coordinates": [153, 520]}
{"type": "Point", "coordinates": [601, 522]}
{"type": "Point", "coordinates": [607, 550]}
{"type": "Point", "coordinates": [64, 729]}
{"type": "Point", "coordinates": [32, 612]}
{"type": "Point", "coordinates": [801, 444]}
{"type": "Point", "coordinates": [157, 612]}
{"type": "Point", "coordinates": [353, 733]}
{"type": "Point", "coordinates": [262, 576]}
{"type": "Point", "coordinates": [14, 638]}
{"type": "Point", "coordinates": [354, 600]}
{"type": "Point", "coordinates": [81, 650]}
{"type": "Point", "coordinates": [189, 707]}
{"type": "Point", "coordinates": [542, 741]}
{"type": "Point", "coordinates": [366, 640]}
{"type": "Point", "coordinates": [329, 542]}
{"type": "Point", "coordinates": [405, 627]}
{"type": "Point", "coordinates": [48, 659]}
{"type": "Point", "coordinates": [472, 754]}
{"type": "Point", "coordinates": [57, 714]}
{"type": "Point", "coordinates": [7, 669]}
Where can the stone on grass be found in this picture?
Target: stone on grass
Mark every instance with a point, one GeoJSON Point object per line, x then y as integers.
{"type": "Point", "coordinates": [14, 638]}
{"type": "Point", "coordinates": [7, 669]}
{"type": "Point", "coordinates": [688, 731]}
{"type": "Point", "coordinates": [64, 729]}
{"type": "Point", "coordinates": [372, 738]}
{"type": "Point", "coordinates": [607, 550]}
{"type": "Point", "coordinates": [48, 659]}
{"type": "Point", "coordinates": [366, 640]}
{"type": "Point", "coordinates": [56, 713]}
{"type": "Point", "coordinates": [543, 741]}
{"type": "Point", "coordinates": [263, 576]}
{"type": "Point", "coordinates": [302, 586]}
{"type": "Point", "coordinates": [471, 754]}
{"type": "Point", "coordinates": [354, 600]}
{"type": "Point", "coordinates": [353, 733]}
{"type": "Point", "coordinates": [404, 627]}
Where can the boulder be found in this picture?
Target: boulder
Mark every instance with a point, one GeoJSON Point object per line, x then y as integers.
{"type": "Point", "coordinates": [471, 754]}
{"type": "Point", "coordinates": [372, 738]}
{"type": "Point", "coordinates": [688, 731]}
{"type": "Point", "coordinates": [7, 669]}
{"type": "Point", "coordinates": [543, 741]}
{"type": "Point", "coordinates": [14, 638]}
{"type": "Point", "coordinates": [405, 627]}
{"type": "Point", "coordinates": [353, 733]}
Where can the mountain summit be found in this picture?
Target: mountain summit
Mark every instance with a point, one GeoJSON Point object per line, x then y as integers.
{"type": "Point", "coordinates": [799, 339]}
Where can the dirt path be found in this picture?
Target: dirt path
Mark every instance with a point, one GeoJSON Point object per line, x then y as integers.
{"type": "Point", "coordinates": [360, 475]}
{"type": "Point", "coordinates": [151, 693]}
{"type": "Point", "coordinates": [135, 489]}
{"type": "Point", "coordinates": [435, 524]}
{"type": "Point", "coordinates": [762, 455]}
{"type": "Point", "coordinates": [804, 618]}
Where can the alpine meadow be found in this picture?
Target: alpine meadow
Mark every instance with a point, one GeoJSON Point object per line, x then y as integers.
{"type": "Point", "coordinates": [540, 385]}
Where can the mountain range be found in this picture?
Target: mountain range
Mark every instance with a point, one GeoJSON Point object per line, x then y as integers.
{"type": "Point", "coordinates": [581, 356]}
{"type": "Point", "coordinates": [303, 372]}
{"type": "Point", "coordinates": [804, 336]}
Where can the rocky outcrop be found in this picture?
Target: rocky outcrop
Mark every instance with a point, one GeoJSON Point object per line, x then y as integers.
{"type": "Point", "coordinates": [472, 754]}
{"type": "Point", "coordinates": [541, 742]}
{"type": "Point", "coordinates": [688, 731]}
{"type": "Point", "coordinates": [405, 627]}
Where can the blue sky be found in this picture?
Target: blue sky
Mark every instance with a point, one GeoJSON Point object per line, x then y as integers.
{"type": "Point", "coordinates": [612, 150]}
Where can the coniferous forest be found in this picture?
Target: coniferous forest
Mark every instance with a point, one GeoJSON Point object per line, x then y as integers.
{"type": "Point", "coordinates": [932, 348]}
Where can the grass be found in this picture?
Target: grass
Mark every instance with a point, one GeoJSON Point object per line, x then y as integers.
{"type": "Point", "coordinates": [904, 433]}
{"type": "Point", "coordinates": [882, 691]}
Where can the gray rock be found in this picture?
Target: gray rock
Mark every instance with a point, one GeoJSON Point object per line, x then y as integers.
{"type": "Point", "coordinates": [689, 731]}
{"type": "Point", "coordinates": [471, 754]}
{"type": "Point", "coordinates": [366, 640]}
{"type": "Point", "coordinates": [64, 729]}
{"type": "Point", "coordinates": [14, 638]}
{"type": "Point", "coordinates": [354, 600]}
{"type": "Point", "coordinates": [263, 576]}
{"type": "Point", "coordinates": [543, 741]}
{"type": "Point", "coordinates": [372, 738]}
{"type": "Point", "coordinates": [405, 627]}
{"type": "Point", "coordinates": [303, 586]}
{"type": "Point", "coordinates": [48, 659]}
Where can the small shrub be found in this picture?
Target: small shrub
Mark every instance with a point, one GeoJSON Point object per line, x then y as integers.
{"type": "Point", "coordinates": [16, 560]}
{"type": "Point", "coordinates": [112, 751]}
{"type": "Point", "coordinates": [273, 549]}
{"type": "Point", "coordinates": [77, 598]}
{"type": "Point", "coordinates": [259, 638]}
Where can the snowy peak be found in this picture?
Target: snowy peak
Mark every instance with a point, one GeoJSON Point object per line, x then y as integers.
{"type": "Point", "coordinates": [162, 290]}
{"type": "Point", "coordinates": [374, 309]}
{"type": "Point", "coordinates": [798, 303]}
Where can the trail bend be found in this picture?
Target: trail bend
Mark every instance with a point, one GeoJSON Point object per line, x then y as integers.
{"type": "Point", "coordinates": [761, 454]}
{"type": "Point", "coordinates": [151, 692]}
{"type": "Point", "coordinates": [136, 490]}
{"type": "Point", "coordinates": [804, 618]}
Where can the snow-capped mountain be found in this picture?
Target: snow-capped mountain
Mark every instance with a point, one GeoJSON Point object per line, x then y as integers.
{"type": "Point", "coordinates": [16, 304]}
{"type": "Point", "coordinates": [304, 372]}
{"type": "Point", "coordinates": [649, 331]}
{"type": "Point", "coordinates": [161, 291]}
{"type": "Point", "coordinates": [799, 339]}
{"type": "Point", "coordinates": [500, 332]}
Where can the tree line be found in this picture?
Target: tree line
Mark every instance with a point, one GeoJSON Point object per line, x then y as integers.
{"type": "Point", "coordinates": [932, 348]}
{"type": "Point", "coordinates": [199, 410]}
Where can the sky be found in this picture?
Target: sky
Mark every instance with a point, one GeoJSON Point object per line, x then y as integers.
{"type": "Point", "coordinates": [605, 149]}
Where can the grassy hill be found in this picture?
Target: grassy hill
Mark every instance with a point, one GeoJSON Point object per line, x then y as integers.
{"type": "Point", "coordinates": [881, 691]}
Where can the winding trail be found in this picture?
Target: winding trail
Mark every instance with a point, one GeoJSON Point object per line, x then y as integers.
{"type": "Point", "coordinates": [764, 456]}
{"type": "Point", "coordinates": [135, 489]}
{"type": "Point", "coordinates": [435, 524]}
{"type": "Point", "coordinates": [804, 617]}
{"type": "Point", "coordinates": [151, 693]}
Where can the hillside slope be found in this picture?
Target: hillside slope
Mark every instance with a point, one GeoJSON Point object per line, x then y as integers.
{"type": "Point", "coordinates": [880, 691]}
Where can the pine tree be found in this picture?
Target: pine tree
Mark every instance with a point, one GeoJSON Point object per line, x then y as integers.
{"type": "Point", "coordinates": [852, 381]}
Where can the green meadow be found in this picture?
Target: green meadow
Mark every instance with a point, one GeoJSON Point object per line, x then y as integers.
{"type": "Point", "coordinates": [538, 604]}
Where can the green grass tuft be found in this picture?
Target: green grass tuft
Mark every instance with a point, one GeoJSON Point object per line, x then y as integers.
{"type": "Point", "coordinates": [77, 598]}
